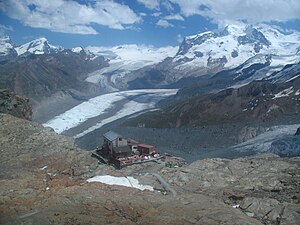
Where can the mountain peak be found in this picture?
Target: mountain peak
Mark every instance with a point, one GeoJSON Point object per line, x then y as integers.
{"type": "Point", "coordinates": [38, 46]}
{"type": "Point", "coordinates": [7, 50]}
{"type": "Point", "coordinates": [235, 44]}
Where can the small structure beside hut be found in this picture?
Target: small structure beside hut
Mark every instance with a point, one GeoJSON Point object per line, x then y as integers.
{"type": "Point", "coordinates": [122, 152]}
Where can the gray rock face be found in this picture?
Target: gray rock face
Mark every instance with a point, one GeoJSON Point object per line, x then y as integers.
{"type": "Point", "coordinates": [253, 36]}
{"type": "Point", "coordinates": [263, 187]}
{"type": "Point", "coordinates": [197, 40]}
{"type": "Point", "coordinates": [249, 132]}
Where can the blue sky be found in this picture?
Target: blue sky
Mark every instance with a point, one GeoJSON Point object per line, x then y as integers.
{"type": "Point", "coordinates": [72, 23]}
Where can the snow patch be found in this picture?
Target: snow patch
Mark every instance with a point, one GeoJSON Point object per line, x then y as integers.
{"type": "Point", "coordinates": [43, 168]}
{"type": "Point", "coordinates": [77, 50]}
{"type": "Point", "coordinates": [293, 78]}
{"type": "Point", "coordinates": [284, 93]}
{"type": "Point", "coordinates": [121, 181]}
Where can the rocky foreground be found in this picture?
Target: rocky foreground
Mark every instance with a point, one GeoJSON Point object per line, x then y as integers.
{"type": "Point", "coordinates": [43, 181]}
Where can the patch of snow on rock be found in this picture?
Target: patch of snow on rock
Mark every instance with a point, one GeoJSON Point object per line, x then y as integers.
{"type": "Point", "coordinates": [121, 181]}
{"type": "Point", "coordinates": [284, 93]}
{"type": "Point", "coordinates": [77, 50]}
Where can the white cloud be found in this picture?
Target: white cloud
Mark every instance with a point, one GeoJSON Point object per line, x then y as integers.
{"type": "Point", "coordinates": [250, 10]}
{"type": "Point", "coordinates": [156, 14]}
{"type": "Point", "coordinates": [142, 14]}
{"type": "Point", "coordinates": [70, 16]}
{"type": "Point", "coordinates": [174, 17]}
{"type": "Point", "coordinates": [150, 4]}
{"type": "Point", "coordinates": [168, 5]}
{"type": "Point", "coordinates": [179, 38]}
{"type": "Point", "coordinates": [4, 29]}
{"type": "Point", "coordinates": [164, 23]}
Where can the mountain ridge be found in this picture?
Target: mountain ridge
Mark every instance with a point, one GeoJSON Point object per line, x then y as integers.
{"type": "Point", "coordinates": [209, 53]}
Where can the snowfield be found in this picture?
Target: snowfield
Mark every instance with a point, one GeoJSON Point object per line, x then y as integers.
{"type": "Point", "coordinates": [282, 47]}
{"type": "Point", "coordinates": [122, 181]}
{"type": "Point", "coordinates": [126, 58]}
{"type": "Point", "coordinates": [138, 101]}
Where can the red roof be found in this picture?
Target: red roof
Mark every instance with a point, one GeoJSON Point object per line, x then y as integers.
{"type": "Point", "coordinates": [146, 146]}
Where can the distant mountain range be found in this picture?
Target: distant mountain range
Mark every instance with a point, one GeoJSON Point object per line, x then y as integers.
{"type": "Point", "coordinates": [237, 47]}
{"type": "Point", "coordinates": [252, 52]}
{"type": "Point", "coordinates": [203, 63]}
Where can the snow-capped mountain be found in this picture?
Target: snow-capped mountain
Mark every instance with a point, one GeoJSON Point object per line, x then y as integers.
{"type": "Point", "coordinates": [7, 50]}
{"type": "Point", "coordinates": [38, 46]}
{"type": "Point", "coordinates": [235, 45]}
{"type": "Point", "coordinates": [84, 52]}
{"type": "Point", "coordinates": [245, 52]}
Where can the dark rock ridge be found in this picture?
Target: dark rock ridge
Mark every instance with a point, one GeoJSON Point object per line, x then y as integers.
{"type": "Point", "coordinates": [43, 181]}
{"type": "Point", "coordinates": [254, 36]}
{"type": "Point", "coordinates": [187, 43]}
{"type": "Point", "coordinates": [298, 131]}
{"type": "Point", "coordinates": [15, 105]}
{"type": "Point", "coordinates": [258, 101]}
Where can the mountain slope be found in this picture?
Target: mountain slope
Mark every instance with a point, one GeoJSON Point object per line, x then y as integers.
{"type": "Point", "coordinates": [208, 53]}
{"type": "Point", "coordinates": [259, 101]}
{"type": "Point", "coordinates": [40, 76]}
{"type": "Point", "coordinates": [52, 82]}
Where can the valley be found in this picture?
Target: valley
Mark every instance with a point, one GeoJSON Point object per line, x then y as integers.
{"type": "Point", "coordinates": [222, 108]}
{"type": "Point", "coordinates": [214, 88]}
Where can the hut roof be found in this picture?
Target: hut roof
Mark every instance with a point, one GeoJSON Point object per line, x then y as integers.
{"type": "Point", "coordinates": [111, 135]}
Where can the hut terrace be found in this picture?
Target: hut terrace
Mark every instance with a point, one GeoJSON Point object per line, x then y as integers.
{"type": "Point", "coordinates": [122, 152]}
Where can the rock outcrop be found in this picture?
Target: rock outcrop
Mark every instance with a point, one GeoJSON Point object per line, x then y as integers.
{"type": "Point", "coordinates": [249, 132]}
{"type": "Point", "coordinates": [15, 105]}
{"type": "Point", "coordinates": [43, 181]}
{"type": "Point", "coordinates": [298, 131]}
